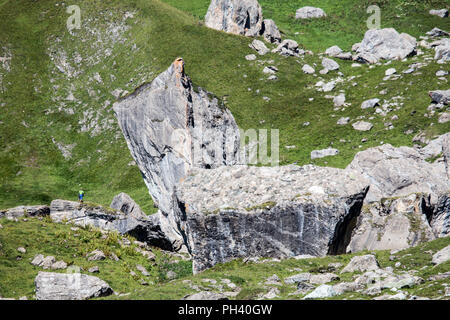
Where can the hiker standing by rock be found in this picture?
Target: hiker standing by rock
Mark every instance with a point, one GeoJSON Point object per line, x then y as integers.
{"type": "Point", "coordinates": [80, 196]}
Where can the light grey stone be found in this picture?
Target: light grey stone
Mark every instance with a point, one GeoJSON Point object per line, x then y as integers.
{"type": "Point", "coordinates": [443, 13]}
{"type": "Point", "coordinates": [96, 255]}
{"type": "Point", "coordinates": [323, 291]}
{"type": "Point", "coordinates": [270, 31]}
{"type": "Point", "coordinates": [288, 48]}
{"type": "Point", "coordinates": [189, 128]}
{"type": "Point", "coordinates": [370, 103]}
{"type": "Point", "coordinates": [330, 64]}
{"type": "Point", "coordinates": [69, 286]}
{"type": "Point", "coordinates": [343, 121]}
{"type": "Point", "coordinates": [309, 12]}
{"type": "Point", "coordinates": [308, 69]}
{"type": "Point", "coordinates": [317, 154]}
{"type": "Point", "coordinates": [440, 96]}
{"type": "Point", "coordinates": [385, 44]}
{"type": "Point", "coordinates": [206, 295]}
{"type": "Point", "coordinates": [441, 256]}
{"type": "Point", "coordinates": [362, 264]}
{"type": "Point", "coordinates": [362, 126]}
{"type": "Point", "coordinates": [301, 277]}
{"type": "Point", "coordinates": [259, 46]}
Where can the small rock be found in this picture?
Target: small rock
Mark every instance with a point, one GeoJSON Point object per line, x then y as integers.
{"type": "Point", "coordinates": [48, 262]}
{"type": "Point", "coordinates": [308, 69]}
{"type": "Point", "coordinates": [171, 275]}
{"type": "Point", "coordinates": [142, 270]}
{"type": "Point", "coordinates": [441, 256]}
{"type": "Point", "coordinates": [38, 259]}
{"type": "Point", "coordinates": [330, 64]}
{"type": "Point", "coordinates": [94, 269]}
{"type": "Point", "coordinates": [59, 265]}
{"type": "Point", "coordinates": [362, 126]}
{"type": "Point", "coordinates": [443, 13]}
{"type": "Point", "coordinates": [323, 291]}
{"type": "Point", "coordinates": [21, 250]}
{"type": "Point", "coordinates": [274, 279]}
{"type": "Point", "coordinates": [370, 103]}
{"type": "Point", "coordinates": [309, 12]}
{"type": "Point", "coordinates": [362, 264]}
{"type": "Point", "coordinates": [343, 121]}
{"type": "Point", "coordinates": [301, 277]}
{"type": "Point", "coordinates": [390, 71]}
{"type": "Point", "coordinates": [250, 57]}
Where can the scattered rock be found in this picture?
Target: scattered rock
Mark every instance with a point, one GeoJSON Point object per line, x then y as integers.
{"type": "Point", "coordinates": [206, 295]}
{"type": "Point", "coordinates": [390, 71]}
{"type": "Point", "coordinates": [339, 100]}
{"type": "Point", "coordinates": [270, 31]}
{"type": "Point", "coordinates": [443, 13]}
{"type": "Point", "coordinates": [59, 265]}
{"type": "Point", "coordinates": [444, 117]}
{"type": "Point", "coordinates": [69, 286]}
{"type": "Point", "coordinates": [273, 280]}
{"type": "Point", "coordinates": [362, 264]}
{"type": "Point", "coordinates": [323, 278]}
{"type": "Point", "coordinates": [308, 69]}
{"type": "Point", "coordinates": [323, 291]}
{"type": "Point", "coordinates": [250, 57]}
{"type": "Point", "coordinates": [28, 211]}
{"type": "Point", "coordinates": [94, 269]}
{"type": "Point", "coordinates": [362, 126]}
{"type": "Point", "coordinates": [436, 32]}
{"type": "Point", "coordinates": [370, 103]}
{"type": "Point", "coordinates": [343, 121]}
{"type": "Point", "coordinates": [309, 12]}
{"type": "Point", "coordinates": [171, 275]}
{"type": "Point", "coordinates": [330, 64]}
{"type": "Point", "coordinates": [288, 48]}
{"type": "Point", "coordinates": [301, 277]}
{"type": "Point", "coordinates": [440, 96]}
{"type": "Point", "coordinates": [22, 250]}
{"type": "Point", "coordinates": [96, 255]}
{"type": "Point", "coordinates": [317, 154]}
{"type": "Point", "coordinates": [441, 256]}
{"type": "Point", "coordinates": [142, 270]}
{"type": "Point", "coordinates": [385, 44]}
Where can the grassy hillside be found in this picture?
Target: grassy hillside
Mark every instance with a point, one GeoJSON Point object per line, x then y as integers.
{"type": "Point", "coordinates": [71, 245]}
{"type": "Point", "coordinates": [57, 128]}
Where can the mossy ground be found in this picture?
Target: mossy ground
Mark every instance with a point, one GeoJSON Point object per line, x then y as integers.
{"type": "Point", "coordinates": [47, 238]}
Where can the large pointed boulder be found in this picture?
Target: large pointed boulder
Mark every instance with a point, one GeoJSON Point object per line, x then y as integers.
{"type": "Point", "coordinates": [171, 126]}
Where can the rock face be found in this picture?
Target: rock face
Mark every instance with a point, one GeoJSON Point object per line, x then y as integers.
{"type": "Point", "coordinates": [276, 212]}
{"type": "Point", "coordinates": [31, 211]}
{"type": "Point", "coordinates": [392, 224]}
{"type": "Point", "coordinates": [132, 223]}
{"type": "Point", "coordinates": [69, 286]}
{"type": "Point", "coordinates": [170, 127]}
{"type": "Point", "coordinates": [385, 44]}
{"type": "Point", "coordinates": [309, 12]}
{"type": "Point", "coordinates": [440, 218]}
{"type": "Point", "coordinates": [242, 17]}
{"type": "Point", "coordinates": [441, 256]}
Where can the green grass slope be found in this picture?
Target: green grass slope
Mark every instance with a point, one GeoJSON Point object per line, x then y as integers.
{"type": "Point", "coordinates": [57, 128]}
{"type": "Point", "coordinates": [64, 243]}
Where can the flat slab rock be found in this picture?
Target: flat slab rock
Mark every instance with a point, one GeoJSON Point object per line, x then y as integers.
{"type": "Point", "coordinates": [281, 212]}
{"type": "Point", "coordinates": [69, 286]}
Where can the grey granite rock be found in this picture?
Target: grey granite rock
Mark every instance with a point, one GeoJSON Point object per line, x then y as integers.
{"type": "Point", "coordinates": [270, 31]}
{"type": "Point", "coordinates": [69, 286]}
{"type": "Point", "coordinates": [385, 44]}
{"type": "Point", "coordinates": [31, 211]}
{"type": "Point", "coordinates": [280, 212]}
{"type": "Point", "coordinates": [242, 17]}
